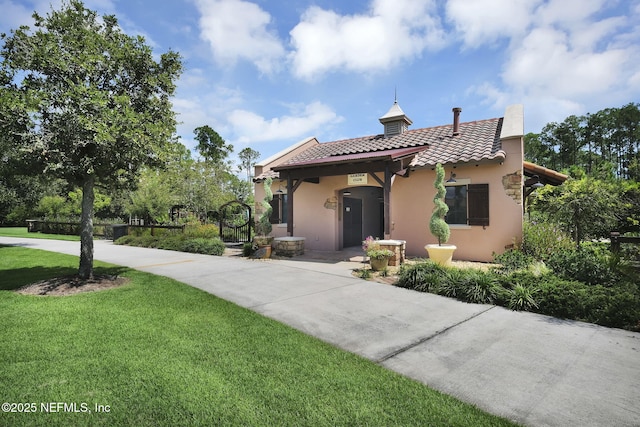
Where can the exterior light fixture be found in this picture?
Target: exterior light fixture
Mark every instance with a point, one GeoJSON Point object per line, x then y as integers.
{"type": "Point", "coordinates": [452, 177]}
{"type": "Point", "coordinates": [346, 193]}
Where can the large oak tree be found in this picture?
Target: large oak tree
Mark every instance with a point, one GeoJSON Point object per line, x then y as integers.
{"type": "Point", "coordinates": [98, 103]}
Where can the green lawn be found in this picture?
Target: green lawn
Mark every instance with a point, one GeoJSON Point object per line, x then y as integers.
{"type": "Point", "coordinates": [160, 353]}
{"type": "Point", "coordinates": [22, 232]}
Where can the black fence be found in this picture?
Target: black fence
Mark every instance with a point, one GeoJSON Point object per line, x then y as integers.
{"type": "Point", "coordinates": [67, 228]}
{"type": "Point", "coordinates": [235, 222]}
{"type": "Point", "coordinates": [105, 231]}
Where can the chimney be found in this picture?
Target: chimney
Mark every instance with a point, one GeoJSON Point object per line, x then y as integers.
{"type": "Point", "coordinates": [456, 121]}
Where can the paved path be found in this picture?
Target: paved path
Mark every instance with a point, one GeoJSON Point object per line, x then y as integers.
{"type": "Point", "coordinates": [533, 369]}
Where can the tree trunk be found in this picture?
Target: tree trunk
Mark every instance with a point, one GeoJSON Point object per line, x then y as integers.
{"type": "Point", "coordinates": [86, 230]}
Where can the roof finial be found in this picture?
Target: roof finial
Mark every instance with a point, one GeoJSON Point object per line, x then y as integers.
{"type": "Point", "coordinates": [395, 94]}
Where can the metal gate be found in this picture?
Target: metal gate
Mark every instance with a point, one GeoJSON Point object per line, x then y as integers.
{"type": "Point", "coordinates": [235, 222]}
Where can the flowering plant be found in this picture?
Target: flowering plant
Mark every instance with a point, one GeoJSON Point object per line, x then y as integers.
{"type": "Point", "coordinates": [373, 250]}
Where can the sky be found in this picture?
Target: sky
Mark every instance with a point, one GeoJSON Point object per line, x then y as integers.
{"type": "Point", "coordinates": [266, 74]}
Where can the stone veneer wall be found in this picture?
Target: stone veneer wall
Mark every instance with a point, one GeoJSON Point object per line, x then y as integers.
{"type": "Point", "coordinates": [289, 246]}
{"type": "Point", "coordinates": [512, 184]}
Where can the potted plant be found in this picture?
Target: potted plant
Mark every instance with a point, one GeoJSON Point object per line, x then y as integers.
{"type": "Point", "coordinates": [440, 253]}
{"type": "Point", "coordinates": [378, 257]}
{"type": "Point", "coordinates": [262, 240]}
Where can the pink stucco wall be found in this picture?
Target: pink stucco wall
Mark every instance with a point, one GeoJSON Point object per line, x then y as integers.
{"type": "Point", "coordinates": [318, 207]}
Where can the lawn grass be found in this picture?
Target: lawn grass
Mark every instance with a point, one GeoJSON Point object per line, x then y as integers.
{"type": "Point", "coordinates": [160, 353]}
{"type": "Point", "coordinates": [22, 232]}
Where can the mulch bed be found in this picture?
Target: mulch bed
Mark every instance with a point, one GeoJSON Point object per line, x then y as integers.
{"type": "Point", "coordinates": [71, 285]}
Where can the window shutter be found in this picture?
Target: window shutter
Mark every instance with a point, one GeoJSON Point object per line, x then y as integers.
{"type": "Point", "coordinates": [274, 218]}
{"type": "Point", "coordinates": [478, 199]}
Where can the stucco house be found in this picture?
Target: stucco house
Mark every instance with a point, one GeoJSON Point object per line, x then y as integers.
{"type": "Point", "coordinates": [334, 194]}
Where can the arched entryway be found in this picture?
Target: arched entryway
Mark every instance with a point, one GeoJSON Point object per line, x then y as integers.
{"type": "Point", "coordinates": [362, 214]}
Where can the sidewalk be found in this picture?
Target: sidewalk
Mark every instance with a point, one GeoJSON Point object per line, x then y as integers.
{"type": "Point", "coordinates": [533, 369]}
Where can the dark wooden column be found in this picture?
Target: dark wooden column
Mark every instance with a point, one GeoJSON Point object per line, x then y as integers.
{"type": "Point", "coordinates": [387, 200]}
{"type": "Point", "coordinates": [386, 191]}
{"type": "Point", "coordinates": [290, 192]}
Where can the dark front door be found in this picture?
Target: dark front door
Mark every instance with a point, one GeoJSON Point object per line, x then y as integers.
{"type": "Point", "coordinates": [352, 222]}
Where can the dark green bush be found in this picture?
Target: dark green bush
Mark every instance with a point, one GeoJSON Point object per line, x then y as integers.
{"type": "Point", "coordinates": [512, 260]}
{"type": "Point", "coordinates": [421, 276]}
{"type": "Point", "coordinates": [247, 249]}
{"type": "Point", "coordinates": [521, 298]}
{"type": "Point", "coordinates": [204, 246]}
{"type": "Point", "coordinates": [173, 242]}
{"type": "Point", "coordinates": [480, 287]}
{"type": "Point", "coordinates": [587, 263]}
{"type": "Point", "coordinates": [616, 305]}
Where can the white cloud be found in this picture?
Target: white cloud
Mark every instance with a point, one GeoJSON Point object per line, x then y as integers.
{"type": "Point", "coordinates": [390, 32]}
{"type": "Point", "coordinates": [249, 127]}
{"type": "Point", "coordinates": [568, 57]}
{"type": "Point", "coordinates": [485, 21]}
{"type": "Point", "coordinates": [237, 29]}
{"type": "Point", "coordinates": [13, 15]}
{"type": "Point", "coordinates": [16, 13]}
{"type": "Point", "coordinates": [546, 63]}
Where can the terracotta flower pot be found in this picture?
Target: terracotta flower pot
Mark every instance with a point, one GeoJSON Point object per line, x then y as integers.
{"type": "Point", "coordinates": [379, 264]}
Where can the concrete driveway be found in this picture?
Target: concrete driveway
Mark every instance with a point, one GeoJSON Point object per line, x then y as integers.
{"type": "Point", "coordinates": [533, 369]}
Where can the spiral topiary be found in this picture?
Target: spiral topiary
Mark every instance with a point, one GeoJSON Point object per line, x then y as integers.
{"type": "Point", "coordinates": [264, 226]}
{"type": "Point", "coordinates": [437, 225]}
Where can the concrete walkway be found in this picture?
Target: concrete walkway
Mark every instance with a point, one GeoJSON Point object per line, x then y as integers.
{"type": "Point", "coordinates": [533, 369]}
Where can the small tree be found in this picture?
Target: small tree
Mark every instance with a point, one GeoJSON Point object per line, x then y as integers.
{"type": "Point", "coordinates": [96, 103]}
{"type": "Point", "coordinates": [264, 227]}
{"type": "Point", "coordinates": [437, 225]}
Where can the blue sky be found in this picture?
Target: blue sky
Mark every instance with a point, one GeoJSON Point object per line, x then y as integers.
{"type": "Point", "coordinates": [267, 74]}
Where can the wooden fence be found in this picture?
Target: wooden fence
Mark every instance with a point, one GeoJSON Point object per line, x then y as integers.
{"type": "Point", "coordinates": [617, 239]}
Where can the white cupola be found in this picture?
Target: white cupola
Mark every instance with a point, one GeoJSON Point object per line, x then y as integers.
{"type": "Point", "coordinates": [395, 121]}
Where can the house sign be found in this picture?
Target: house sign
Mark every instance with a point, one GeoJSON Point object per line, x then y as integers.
{"type": "Point", "coordinates": [357, 179]}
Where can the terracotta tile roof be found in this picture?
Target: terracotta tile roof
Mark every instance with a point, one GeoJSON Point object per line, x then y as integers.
{"type": "Point", "coordinates": [478, 141]}
{"type": "Point", "coordinates": [391, 154]}
{"type": "Point", "coordinates": [547, 176]}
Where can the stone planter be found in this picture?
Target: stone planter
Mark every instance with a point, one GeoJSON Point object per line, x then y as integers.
{"type": "Point", "coordinates": [289, 246]}
{"type": "Point", "coordinates": [379, 264]}
{"type": "Point", "coordinates": [441, 254]}
{"type": "Point", "coordinates": [398, 249]}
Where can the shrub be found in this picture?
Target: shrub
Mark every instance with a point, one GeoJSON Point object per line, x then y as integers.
{"type": "Point", "coordinates": [247, 249]}
{"type": "Point", "coordinates": [203, 246]}
{"type": "Point", "coordinates": [480, 287]}
{"type": "Point", "coordinates": [521, 298]}
{"type": "Point", "coordinates": [208, 231]}
{"type": "Point", "coordinates": [617, 305]}
{"type": "Point", "coordinates": [586, 264]}
{"type": "Point", "coordinates": [452, 284]}
{"type": "Point", "coordinates": [364, 273]}
{"type": "Point", "coordinates": [512, 260]}
{"type": "Point", "coordinates": [437, 224]}
{"type": "Point", "coordinates": [541, 240]}
{"type": "Point", "coordinates": [180, 243]}
{"type": "Point", "coordinates": [421, 274]}
{"type": "Point", "coordinates": [373, 249]}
